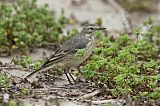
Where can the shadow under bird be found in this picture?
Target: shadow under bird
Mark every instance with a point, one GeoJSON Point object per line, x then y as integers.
{"type": "Point", "coordinates": [65, 57]}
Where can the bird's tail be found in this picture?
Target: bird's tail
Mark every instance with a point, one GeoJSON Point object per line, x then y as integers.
{"type": "Point", "coordinates": [49, 63]}
{"type": "Point", "coordinates": [34, 72]}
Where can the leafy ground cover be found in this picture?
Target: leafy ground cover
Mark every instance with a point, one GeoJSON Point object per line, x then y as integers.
{"type": "Point", "coordinates": [126, 65]}
{"type": "Point", "coordinates": [25, 26]}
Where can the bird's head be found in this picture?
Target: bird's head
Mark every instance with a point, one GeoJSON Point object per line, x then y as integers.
{"type": "Point", "coordinates": [91, 28]}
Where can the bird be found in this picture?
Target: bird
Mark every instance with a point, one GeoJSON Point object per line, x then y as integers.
{"type": "Point", "coordinates": [66, 57]}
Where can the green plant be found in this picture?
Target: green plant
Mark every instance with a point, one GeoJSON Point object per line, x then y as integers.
{"type": "Point", "coordinates": [25, 91]}
{"type": "Point", "coordinates": [24, 25]}
{"type": "Point", "coordinates": [5, 81]}
{"type": "Point", "coordinates": [27, 62]}
{"type": "Point", "coordinates": [15, 103]}
{"type": "Point", "coordinates": [127, 66]}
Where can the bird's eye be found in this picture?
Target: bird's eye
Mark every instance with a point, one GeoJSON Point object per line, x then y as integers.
{"type": "Point", "coordinates": [91, 28]}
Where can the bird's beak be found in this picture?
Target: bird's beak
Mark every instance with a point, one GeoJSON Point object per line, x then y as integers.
{"type": "Point", "coordinates": [101, 28]}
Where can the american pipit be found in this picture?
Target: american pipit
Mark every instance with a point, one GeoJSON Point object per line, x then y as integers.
{"type": "Point", "coordinates": [67, 56]}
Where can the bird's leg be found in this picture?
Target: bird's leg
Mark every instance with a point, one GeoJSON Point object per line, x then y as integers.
{"type": "Point", "coordinates": [71, 76]}
{"type": "Point", "coordinates": [66, 71]}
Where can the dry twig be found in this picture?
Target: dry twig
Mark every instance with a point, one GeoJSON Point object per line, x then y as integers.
{"type": "Point", "coordinates": [18, 68]}
{"type": "Point", "coordinates": [89, 95]}
{"type": "Point", "coordinates": [111, 101]}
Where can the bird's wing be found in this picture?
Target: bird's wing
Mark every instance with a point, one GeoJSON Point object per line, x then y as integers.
{"type": "Point", "coordinates": [70, 46]}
